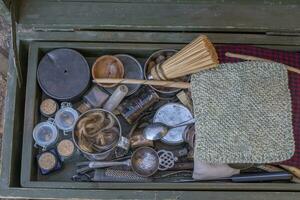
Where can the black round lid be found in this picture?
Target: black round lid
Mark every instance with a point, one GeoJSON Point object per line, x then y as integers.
{"type": "Point", "coordinates": [63, 74]}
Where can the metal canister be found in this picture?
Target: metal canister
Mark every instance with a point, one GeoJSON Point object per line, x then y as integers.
{"type": "Point", "coordinates": [135, 105]}
{"type": "Point", "coordinates": [158, 57]}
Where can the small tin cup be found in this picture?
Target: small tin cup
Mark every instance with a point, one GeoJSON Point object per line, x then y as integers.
{"type": "Point", "coordinates": [45, 134]}
{"type": "Point", "coordinates": [65, 149]}
{"type": "Point", "coordinates": [65, 117]}
{"type": "Point", "coordinates": [48, 107]}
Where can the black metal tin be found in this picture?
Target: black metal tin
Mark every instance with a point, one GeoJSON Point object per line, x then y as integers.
{"type": "Point", "coordinates": [63, 74]}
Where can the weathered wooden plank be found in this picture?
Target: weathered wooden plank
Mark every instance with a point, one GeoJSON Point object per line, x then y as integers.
{"type": "Point", "coordinates": [138, 194]}
{"type": "Point", "coordinates": [233, 16]}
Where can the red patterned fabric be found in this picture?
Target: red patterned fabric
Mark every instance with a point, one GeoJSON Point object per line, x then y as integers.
{"type": "Point", "coordinates": [288, 58]}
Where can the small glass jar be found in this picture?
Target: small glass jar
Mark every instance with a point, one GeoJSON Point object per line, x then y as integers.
{"type": "Point", "coordinates": [65, 117]}
{"type": "Point", "coordinates": [45, 134]}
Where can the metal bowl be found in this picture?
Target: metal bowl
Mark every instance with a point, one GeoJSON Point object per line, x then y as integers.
{"type": "Point", "coordinates": [145, 161]}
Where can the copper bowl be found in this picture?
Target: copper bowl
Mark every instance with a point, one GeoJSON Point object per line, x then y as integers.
{"type": "Point", "coordinates": [107, 67]}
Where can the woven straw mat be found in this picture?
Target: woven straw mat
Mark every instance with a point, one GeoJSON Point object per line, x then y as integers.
{"type": "Point", "coordinates": [243, 113]}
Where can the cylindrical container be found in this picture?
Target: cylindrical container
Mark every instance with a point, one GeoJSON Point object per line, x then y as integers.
{"type": "Point", "coordinates": [45, 134]}
{"type": "Point", "coordinates": [172, 114]}
{"type": "Point", "coordinates": [132, 70]}
{"type": "Point", "coordinates": [116, 98]}
{"type": "Point", "coordinates": [135, 105]}
{"type": "Point", "coordinates": [63, 74]}
{"type": "Point", "coordinates": [159, 57]}
{"type": "Point", "coordinates": [121, 143]}
{"type": "Point", "coordinates": [107, 67]}
{"type": "Point", "coordinates": [48, 107]}
{"type": "Point", "coordinates": [66, 117]}
{"type": "Point", "coordinates": [189, 136]}
{"type": "Point", "coordinates": [48, 162]}
{"type": "Point", "coordinates": [65, 149]}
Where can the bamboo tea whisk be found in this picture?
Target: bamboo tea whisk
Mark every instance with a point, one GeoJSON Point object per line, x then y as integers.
{"type": "Point", "coordinates": [199, 55]}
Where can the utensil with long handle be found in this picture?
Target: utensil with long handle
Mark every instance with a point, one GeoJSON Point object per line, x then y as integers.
{"type": "Point", "coordinates": [169, 84]}
{"type": "Point", "coordinates": [247, 57]}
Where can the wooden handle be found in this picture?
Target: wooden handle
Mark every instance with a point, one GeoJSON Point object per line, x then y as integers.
{"type": "Point", "coordinates": [247, 57]}
{"type": "Point", "coordinates": [294, 170]}
{"type": "Point", "coordinates": [172, 84]}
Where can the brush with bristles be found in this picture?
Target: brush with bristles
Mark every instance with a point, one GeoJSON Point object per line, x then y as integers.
{"type": "Point", "coordinates": [199, 55]}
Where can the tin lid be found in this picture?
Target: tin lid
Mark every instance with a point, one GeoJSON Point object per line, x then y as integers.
{"type": "Point", "coordinates": [65, 148]}
{"type": "Point", "coordinates": [45, 134]}
{"type": "Point", "coordinates": [172, 114]}
{"type": "Point", "coordinates": [63, 74]}
{"type": "Point", "coordinates": [65, 118]}
{"type": "Point", "coordinates": [48, 107]}
{"type": "Point", "coordinates": [47, 161]}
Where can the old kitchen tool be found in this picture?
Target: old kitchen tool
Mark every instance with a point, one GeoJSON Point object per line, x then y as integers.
{"type": "Point", "coordinates": [247, 57]}
{"type": "Point", "coordinates": [117, 175]}
{"type": "Point", "coordinates": [107, 67]}
{"type": "Point", "coordinates": [166, 160]}
{"type": "Point", "coordinates": [98, 133]}
{"type": "Point", "coordinates": [45, 134]}
{"type": "Point", "coordinates": [144, 162]}
{"type": "Point", "coordinates": [132, 107]}
{"type": "Point", "coordinates": [252, 177]}
{"type": "Point", "coordinates": [48, 107]}
{"type": "Point", "coordinates": [63, 74]}
{"type": "Point", "coordinates": [48, 162]}
{"type": "Point", "coordinates": [132, 70]}
{"type": "Point", "coordinates": [163, 84]}
{"type": "Point", "coordinates": [172, 114]}
{"type": "Point", "coordinates": [199, 55]}
{"type": "Point", "coordinates": [158, 130]}
{"type": "Point", "coordinates": [115, 99]}
{"type": "Point", "coordinates": [66, 117]}
{"type": "Point", "coordinates": [65, 149]}
{"type": "Point", "coordinates": [138, 140]}
{"type": "Point", "coordinates": [157, 58]}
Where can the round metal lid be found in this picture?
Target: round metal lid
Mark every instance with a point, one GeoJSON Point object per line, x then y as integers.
{"type": "Point", "coordinates": [65, 118]}
{"type": "Point", "coordinates": [172, 114]}
{"type": "Point", "coordinates": [63, 74]}
{"type": "Point", "coordinates": [132, 70]}
{"type": "Point", "coordinates": [45, 134]}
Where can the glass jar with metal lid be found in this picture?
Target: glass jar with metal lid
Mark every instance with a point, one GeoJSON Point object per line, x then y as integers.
{"type": "Point", "coordinates": [45, 134]}
{"type": "Point", "coordinates": [65, 117]}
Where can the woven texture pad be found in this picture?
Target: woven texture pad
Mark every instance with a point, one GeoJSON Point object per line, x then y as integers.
{"type": "Point", "coordinates": [243, 113]}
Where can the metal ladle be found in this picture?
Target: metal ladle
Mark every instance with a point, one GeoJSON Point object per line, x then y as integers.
{"type": "Point", "coordinates": [158, 130]}
{"type": "Point", "coordinates": [144, 162]}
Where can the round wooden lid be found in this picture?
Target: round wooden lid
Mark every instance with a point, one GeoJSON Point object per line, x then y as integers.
{"type": "Point", "coordinates": [47, 161]}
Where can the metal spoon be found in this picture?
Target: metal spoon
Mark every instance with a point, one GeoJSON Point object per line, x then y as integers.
{"type": "Point", "coordinates": [158, 130]}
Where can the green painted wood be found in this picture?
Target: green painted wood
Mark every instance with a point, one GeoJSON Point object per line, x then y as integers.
{"type": "Point", "coordinates": [125, 194]}
{"type": "Point", "coordinates": [159, 37]}
{"type": "Point", "coordinates": [28, 173]}
{"type": "Point", "coordinates": [232, 16]}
